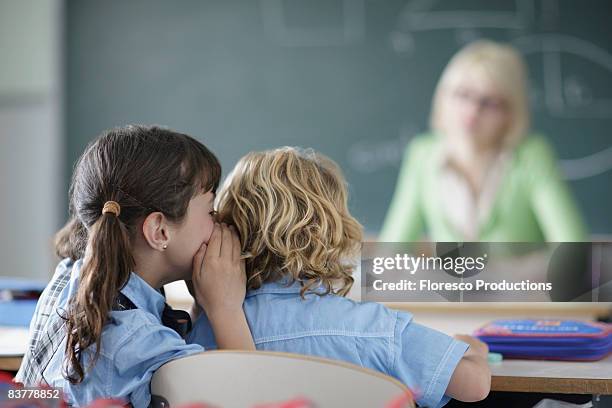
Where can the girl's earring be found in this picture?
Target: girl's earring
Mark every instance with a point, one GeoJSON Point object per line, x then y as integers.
{"type": "Point", "coordinates": [165, 246]}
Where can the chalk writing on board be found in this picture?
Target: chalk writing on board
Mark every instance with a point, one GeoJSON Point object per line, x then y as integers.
{"type": "Point", "coordinates": [423, 15]}
{"type": "Point", "coordinates": [368, 156]}
{"type": "Point", "coordinates": [568, 95]}
{"type": "Point", "coordinates": [587, 166]}
{"type": "Point", "coordinates": [277, 28]}
{"type": "Point", "coordinates": [564, 94]}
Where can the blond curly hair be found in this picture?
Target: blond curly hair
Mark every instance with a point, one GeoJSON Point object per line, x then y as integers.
{"type": "Point", "coordinates": [290, 209]}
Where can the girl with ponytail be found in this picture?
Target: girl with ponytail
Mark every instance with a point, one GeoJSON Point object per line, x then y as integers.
{"type": "Point", "coordinates": [141, 208]}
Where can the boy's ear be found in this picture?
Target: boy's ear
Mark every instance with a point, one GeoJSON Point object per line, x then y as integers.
{"type": "Point", "coordinates": [155, 231]}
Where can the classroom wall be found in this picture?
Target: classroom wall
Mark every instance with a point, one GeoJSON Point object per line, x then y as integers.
{"type": "Point", "coordinates": [31, 146]}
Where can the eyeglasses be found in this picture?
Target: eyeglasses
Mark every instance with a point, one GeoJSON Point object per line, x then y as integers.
{"type": "Point", "coordinates": [484, 102]}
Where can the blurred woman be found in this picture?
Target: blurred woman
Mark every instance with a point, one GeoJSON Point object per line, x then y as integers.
{"type": "Point", "coordinates": [480, 175]}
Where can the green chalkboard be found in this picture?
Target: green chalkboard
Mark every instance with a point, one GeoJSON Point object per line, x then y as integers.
{"type": "Point", "coordinates": [350, 78]}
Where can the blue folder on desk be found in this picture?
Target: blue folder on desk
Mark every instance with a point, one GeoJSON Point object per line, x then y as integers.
{"type": "Point", "coordinates": [18, 298]}
{"type": "Point", "coordinates": [548, 339]}
{"type": "Point", "coordinates": [17, 313]}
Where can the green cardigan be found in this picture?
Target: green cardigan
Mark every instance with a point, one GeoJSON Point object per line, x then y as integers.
{"type": "Point", "coordinates": [532, 203]}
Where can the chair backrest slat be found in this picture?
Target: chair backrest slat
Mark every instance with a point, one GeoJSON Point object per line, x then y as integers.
{"type": "Point", "coordinates": [243, 379]}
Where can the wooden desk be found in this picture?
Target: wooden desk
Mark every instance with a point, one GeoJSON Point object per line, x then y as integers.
{"type": "Point", "coordinates": [10, 363]}
{"type": "Point", "coordinates": [13, 343]}
{"type": "Point", "coordinates": [561, 377]}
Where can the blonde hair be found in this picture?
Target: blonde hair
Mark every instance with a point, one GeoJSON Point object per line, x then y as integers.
{"type": "Point", "coordinates": [504, 67]}
{"type": "Point", "coordinates": [290, 209]}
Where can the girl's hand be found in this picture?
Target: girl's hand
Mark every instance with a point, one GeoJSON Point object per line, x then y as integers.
{"type": "Point", "coordinates": [218, 276]}
{"type": "Point", "coordinates": [219, 284]}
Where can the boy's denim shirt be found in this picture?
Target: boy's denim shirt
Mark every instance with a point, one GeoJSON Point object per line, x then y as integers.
{"type": "Point", "coordinates": [134, 344]}
{"type": "Point", "coordinates": [366, 334]}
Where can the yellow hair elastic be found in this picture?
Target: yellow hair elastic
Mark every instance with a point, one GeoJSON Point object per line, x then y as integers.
{"type": "Point", "coordinates": [111, 207]}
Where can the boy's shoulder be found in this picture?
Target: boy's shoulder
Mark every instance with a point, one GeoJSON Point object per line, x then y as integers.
{"type": "Point", "coordinates": [326, 312]}
{"type": "Point", "coordinates": [376, 315]}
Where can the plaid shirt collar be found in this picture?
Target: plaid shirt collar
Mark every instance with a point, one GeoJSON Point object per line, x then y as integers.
{"type": "Point", "coordinates": [144, 296]}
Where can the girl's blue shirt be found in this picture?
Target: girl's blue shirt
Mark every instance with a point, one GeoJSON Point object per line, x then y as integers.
{"type": "Point", "coordinates": [134, 344]}
{"type": "Point", "coordinates": [366, 334]}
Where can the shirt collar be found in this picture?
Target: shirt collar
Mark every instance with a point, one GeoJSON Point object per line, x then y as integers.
{"type": "Point", "coordinates": [282, 286]}
{"type": "Point", "coordinates": [143, 295]}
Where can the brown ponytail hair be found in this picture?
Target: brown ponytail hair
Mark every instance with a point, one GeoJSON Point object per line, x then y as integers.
{"type": "Point", "coordinates": [145, 169]}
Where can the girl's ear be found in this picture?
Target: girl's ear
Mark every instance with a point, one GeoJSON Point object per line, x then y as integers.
{"type": "Point", "coordinates": [155, 231]}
